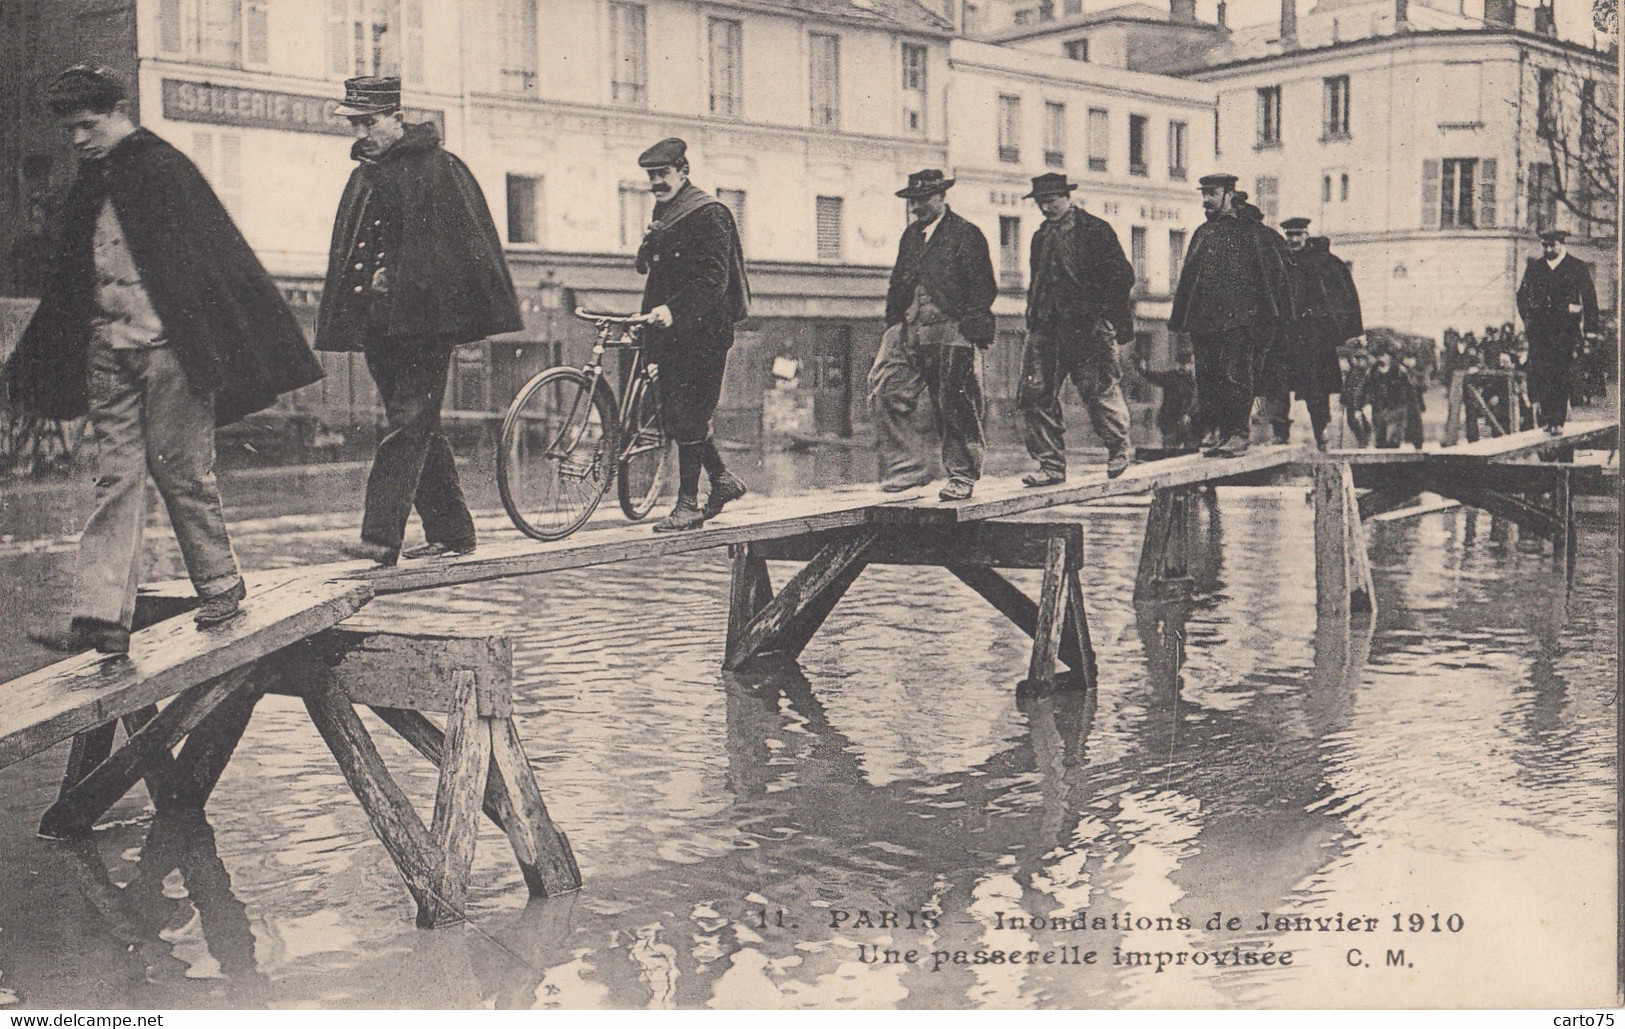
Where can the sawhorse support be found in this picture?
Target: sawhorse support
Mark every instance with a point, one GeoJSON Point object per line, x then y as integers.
{"type": "Point", "coordinates": [761, 622]}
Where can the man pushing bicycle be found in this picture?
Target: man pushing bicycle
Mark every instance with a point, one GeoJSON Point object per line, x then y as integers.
{"type": "Point", "coordinates": [695, 292]}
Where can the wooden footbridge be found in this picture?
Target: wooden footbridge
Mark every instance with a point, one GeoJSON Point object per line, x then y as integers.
{"type": "Point", "coordinates": [293, 637]}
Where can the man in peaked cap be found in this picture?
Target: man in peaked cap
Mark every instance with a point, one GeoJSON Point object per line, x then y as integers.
{"type": "Point", "coordinates": [695, 292]}
{"type": "Point", "coordinates": [1557, 300]}
{"type": "Point", "coordinates": [157, 321]}
{"type": "Point", "coordinates": [1328, 315]}
{"type": "Point", "coordinates": [415, 270]}
{"type": "Point", "coordinates": [1078, 311]}
{"type": "Point", "coordinates": [1234, 299]}
{"type": "Point", "coordinates": [939, 314]}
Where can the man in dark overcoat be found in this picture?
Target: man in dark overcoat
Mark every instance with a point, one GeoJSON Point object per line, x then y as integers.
{"type": "Point", "coordinates": [1557, 300]}
{"type": "Point", "coordinates": [939, 316]}
{"type": "Point", "coordinates": [1078, 312]}
{"type": "Point", "coordinates": [1328, 309]}
{"type": "Point", "coordinates": [696, 291]}
{"type": "Point", "coordinates": [159, 323]}
{"type": "Point", "coordinates": [1234, 299]}
{"type": "Point", "coordinates": [415, 270]}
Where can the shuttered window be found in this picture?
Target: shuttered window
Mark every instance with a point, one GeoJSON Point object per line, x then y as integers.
{"type": "Point", "coordinates": [913, 86]}
{"type": "Point", "coordinates": [231, 33]}
{"type": "Point", "coordinates": [517, 19]}
{"type": "Point", "coordinates": [1139, 256]}
{"type": "Point", "coordinates": [1267, 196]}
{"type": "Point", "coordinates": [1009, 127]}
{"type": "Point", "coordinates": [1458, 193]}
{"type": "Point", "coordinates": [524, 209]}
{"type": "Point", "coordinates": [1176, 257]}
{"type": "Point", "coordinates": [735, 199]}
{"type": "Point", "coordinates": [829, 211]}
{"type": "Point", "coordinates": [727, 67]}
{"type": "Point", "coordinates": [1054, 134]}
{"type": "Point", "coordinates": [628, 55]}
{"type": "Point", "coordinates": [375, 37]}
{"type": "Point", "coordinates": [824, 72]}
{"type": "Point", "coordinates": [1009, 253]}
{"type": "Point", "coordinates": [1099, 138]}
{"type": "Point", "coordinates": [257, 33]}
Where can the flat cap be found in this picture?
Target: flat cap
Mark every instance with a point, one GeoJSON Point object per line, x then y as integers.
{"type": "Point", "coordinates": [667, 153]}
{"type": "Point", "coordinates": [1296, 225]}
{"type": "Point", "coordinates": [1219, 180]}
{"type": "Point", "coordinates": [1554, 236]}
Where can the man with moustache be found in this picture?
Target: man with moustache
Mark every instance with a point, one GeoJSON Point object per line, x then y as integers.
{"type": "Point", "coordinates": [1328, 308]}
{"type": "Point", "coordinates": [1558, 303]}
{"type": "Point", "coordinates": [939, 315]}
{"type": "Point", "coordinates": [696, 291]}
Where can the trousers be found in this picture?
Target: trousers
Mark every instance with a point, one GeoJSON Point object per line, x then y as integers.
{"type": "Point", "coordinates": [1091, 362]}
{"type": "Point", "coordinates": [413, 466]}
{"type": "Point", "coordinates": [147, 420]}
{"type": "Point", "coordinates": [935, 362]}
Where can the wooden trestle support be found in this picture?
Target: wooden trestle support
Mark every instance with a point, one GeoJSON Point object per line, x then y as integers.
{"type": "Point", "coordinates": [761, 622]}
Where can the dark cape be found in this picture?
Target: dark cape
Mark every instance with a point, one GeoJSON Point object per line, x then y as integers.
{"type": "Point", "coordinates": [1556, 334]}
{"type": "Point", "coordinates": [1328, 316]}
{"type": "Point", "coordinates": [696, 268]}
{"type": "Point", "coordinates": [225, 318]}
{"type": "Point", "coordinates": [448, 276]}
{"type": "Point", "coordinates": [955, 269]}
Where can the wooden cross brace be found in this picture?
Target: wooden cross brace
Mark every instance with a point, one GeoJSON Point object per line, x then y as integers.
{"type": "Point", "coordinates": [761, 622]}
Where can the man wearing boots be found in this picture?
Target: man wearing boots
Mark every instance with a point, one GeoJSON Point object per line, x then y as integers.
{"type": "Point", "coordinates": [157, 321]}
{"type": "Point", "coordinates": [695, 292]}
{"type": "Point", "coordinates": [939, 314]}
{"type": "Point", "coordinates": [1328, 309]}
{"type": "Point", "coordinates": [415, 270]}
{"type": "Point", "coordinates": [1077, 313]}
{"type": "Point", "coordinates": [1558, 303]}
{"type": "Point", "coordinates": [1234, 299]}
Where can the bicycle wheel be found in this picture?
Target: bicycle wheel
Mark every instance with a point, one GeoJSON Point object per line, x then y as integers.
{"type": "Point", "coordinates": [645, 451]}
{"type": "Point", "coordinates": [558, 442]}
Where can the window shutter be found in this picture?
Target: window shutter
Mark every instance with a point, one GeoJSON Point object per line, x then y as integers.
{"type": "Point", "coordinates": [169, 26]}
{"type": "Point", "coordinates": [1430, 194]}
{"type": "Point", "coordinates": [1486, 193]}
{"type": "Point", "coordinates": [412, 42]}
{"type": "Point", "coordinates": [339, 30]}
{"type": "Point", "coordinates": [256, 33]}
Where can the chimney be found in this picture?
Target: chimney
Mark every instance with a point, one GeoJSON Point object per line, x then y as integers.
{"type": "Point", "coordinates": [1220, 21]}
{"type": "Point", "coordinates": [1182, 12]}
{"type": "Point", "coordinates": [1546, 19]}
{"type": "Point", "coordinates": [1289, 23]}
{"type": "Point", "coordinates": [1499, 13]}
{"type": "Point", "coordinates": [1402, 14]}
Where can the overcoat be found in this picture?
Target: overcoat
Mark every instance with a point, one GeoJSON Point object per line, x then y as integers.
{"type": "Point", "coordinates": [1093, 279]}
{"type": "Point", "coordinates": [696, 267]}
{"type": "Point", "coordinates": [225, 318]}
{"type": "Point", "coordinates": [448, 278]}
{"type": "Point", "coordinates": [1555, 333]}
{"type": "Point", "coordinates": [1328, 315]}
{"type": "Point", "coordinates": [954, 267]}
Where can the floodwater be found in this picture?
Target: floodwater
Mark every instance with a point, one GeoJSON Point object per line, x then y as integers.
{"type": "Point", "coordinates": [868, 827]}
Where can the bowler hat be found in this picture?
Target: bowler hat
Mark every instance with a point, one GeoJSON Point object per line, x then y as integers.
{"type": "Point", "coordinates": [370, 94]}
{"type": "Point", "coordinates": [1296, 225]}
{"type": "Point", "coordinates": [925, 183]}
{"type": "Point", "coordinates": [1554, 236]}
{"type": "Point", "coordinates": [1050, 184]}
{"type": "Point", "coordinates": [1219, 180]}
{"type": "Point", "coordinates": [668, 153]}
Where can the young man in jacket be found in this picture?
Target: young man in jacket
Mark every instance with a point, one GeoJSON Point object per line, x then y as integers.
{"type": "Point", "coordinates": [159, 323]}
{"type": "Point", "coordinates": [415, 269]}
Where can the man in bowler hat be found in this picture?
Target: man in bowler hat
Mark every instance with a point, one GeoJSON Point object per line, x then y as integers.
{"type": "Point", "coordinates": [1558, 303]}
{"type": "Point", "coordinates": [1078, 312]}
{"type": "Point", "coordinates": [415, 270]}
{"type": "Point", "coordinates": [695, 292]}
{"type": "Point", "coordinates": [157, 321]}
{"type": "Point", "coordinates": [939, 314]}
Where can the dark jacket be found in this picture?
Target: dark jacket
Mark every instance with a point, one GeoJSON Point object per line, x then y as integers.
{"type": "Point", "coordinates": [1544, 298]}
{"type": "Point", "coordinates": [1079, 274]}
{"type": "Point", "coordinates": [955, 269]}
{"type": "Point", "coordinates": [222, 314]}
{"type": "Point", "coordinates": [1235, 274]}
{"type": "Point", "coordinates": [1328, 307]}
{"type": "Point", "coordinates": [1392, 390]}
{"type": "Point", "coordinates": [446, 274]}
{"type": "Point", "coordinates": [696, 267]}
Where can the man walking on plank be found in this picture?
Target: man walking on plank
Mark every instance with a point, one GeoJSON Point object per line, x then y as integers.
{"type": "Point", "coordinates": [1328, 308]}
{"type": "Point", "coordinates": [1558, 303]}
{"type": "Point", "coordinates": [161, 324]}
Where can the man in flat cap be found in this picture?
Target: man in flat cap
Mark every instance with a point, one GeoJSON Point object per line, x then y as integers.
{"type": "Point", "coordinates": [939, 314]}
{"type": "Point", "coordinates": [1328, 309]}
{"type": "Point", "coordinates": [1235, 300]}
{"type": "Point", "coordinates": [1557, 301]}
{"type": "Point", "coordinates": [695, 292]}
{"type": "Point", "coordinates": [415, 270]}
{"type": "Point", "coordinates": [157, 321]}
{"type": "Point", "coordinates": [1078, 312]}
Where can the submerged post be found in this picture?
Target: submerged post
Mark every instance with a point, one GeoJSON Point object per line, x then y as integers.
{"type": "Point", "coordinates": [1342, 571]}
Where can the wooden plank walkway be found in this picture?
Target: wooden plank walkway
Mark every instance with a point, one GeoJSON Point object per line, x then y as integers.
{"type": "Point", "coordinates": [1498, 448]}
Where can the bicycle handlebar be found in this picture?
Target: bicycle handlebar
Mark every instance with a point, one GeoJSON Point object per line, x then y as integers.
{"type": "Point", "coordinates": [605, 316]}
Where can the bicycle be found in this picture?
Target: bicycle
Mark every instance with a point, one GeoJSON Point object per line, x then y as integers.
{"type": "Point", "coordinates": [565, 437]}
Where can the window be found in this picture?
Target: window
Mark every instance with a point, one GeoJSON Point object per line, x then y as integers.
{"type": "Point", "coordinates": [1336, 121]}
{"type": "Point", "coordinates": [1343, 186]}
{"type": "Point", "coordinates": [1457, 193]}
{"type": "Point", "coordinates": [524, 212]}
{"type": "Point", "coordinates": [1072, 7]}
{"type": "Point", "coordinates": [735, 199]}
{"type": "Point", "coordinates": [1269, 116]}
{"type": "Point", "coordinates": [1009, 253]}
{"type": "Point", "coordinates": [824, 55]}
{"type": "Point", "coordinates": [829, 228]}
{"type": "Point", "coordinates": [1458, 99]}
{"type": "Point", "coordinates": [1023, 17]}
{"type": "Point", "coordinates": [226, 32]}
{"type": "Point", "coordinates": [1137, 126]}
{"type": "Point", "coordinates": [375, 37]}
{"type": "Point", "coordinates": [1588, 111]}
{"type": "Point", "coordinates": [727, 62]}
{"type": "Point", "coordinates": [1176, 257]}
{"type": "Point", "coordinates": [1099, 138]}
{"type": "Point", "coordinates": [1009, 126]}
{"type": "Point", "coordinates": [1267, 195]}
{"type": "Point", "coordinates": [1077, 49]}
{"type": "Point", "coordinates": [1546, 103]}
{"type": "Point", "coordinates": [628, 55]}
{"type": "Point", "coordinates": [1215, 130]}
{"type": "Point", "coordinates": [519, 46]}
{"type": "Point", "coordinates": [470, 379]}
{"type": "Point", "coordinates": [1542, 201]}
{"type": "Point", "coordinates": [914, 58]}
{"type": "Point", "coordinates": [1176, 150]}
{"type": "Point", "coordinates": [637, 206]}
{"type": "Point", "coordinates": [1137, 256]}
{"type": "Point", "coordinates": [219, 157]}
{"type": "Point", "coordinates": [1054, 134]}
